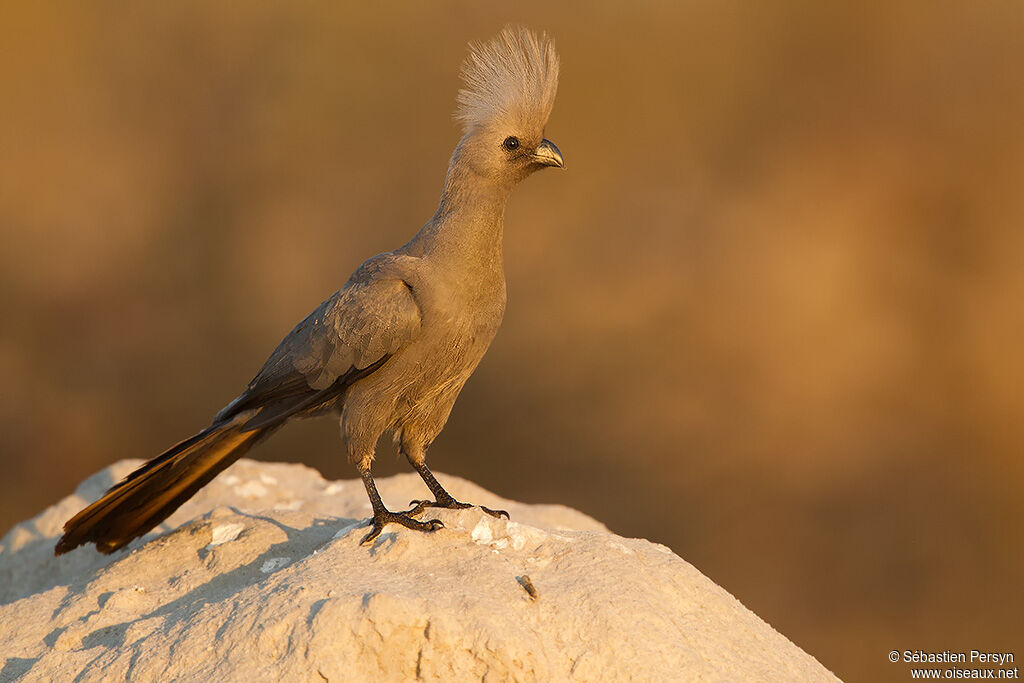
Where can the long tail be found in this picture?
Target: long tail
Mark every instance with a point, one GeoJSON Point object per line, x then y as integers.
{"type": "Point", "coordinates": [151, 493]}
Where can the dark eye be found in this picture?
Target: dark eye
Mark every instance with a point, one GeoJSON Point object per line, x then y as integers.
{"type": "Point", "coordinates": [511, 143]}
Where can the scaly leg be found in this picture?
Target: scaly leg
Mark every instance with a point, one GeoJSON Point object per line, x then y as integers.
{"type": "Point", "coordinates": [443, 498]}
{"type": "Point", "coordinates": [382, 516]}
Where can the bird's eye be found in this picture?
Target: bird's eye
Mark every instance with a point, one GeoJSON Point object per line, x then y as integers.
{"type": "Point", "coordinates": [511, 143]}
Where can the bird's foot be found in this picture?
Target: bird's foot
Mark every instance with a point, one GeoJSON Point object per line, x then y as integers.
{"type": "Point", "coordinates": [450, 504]}
{"type": "Point", "coordinates": [382, 517]}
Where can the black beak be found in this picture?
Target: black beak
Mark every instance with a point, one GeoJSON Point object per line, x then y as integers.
{"type": "Point", "coordinates": [548, 155]}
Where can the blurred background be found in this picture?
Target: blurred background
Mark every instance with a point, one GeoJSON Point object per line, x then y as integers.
{"type": "Point", "coordinates": [771, 315]}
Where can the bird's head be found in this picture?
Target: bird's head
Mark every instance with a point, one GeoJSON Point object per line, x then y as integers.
{"type": "Point", "coordinates": [510, 85]}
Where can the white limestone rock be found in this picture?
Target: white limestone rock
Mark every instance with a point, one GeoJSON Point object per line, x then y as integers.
{"type": "Point", "coordinates": [261, 577]}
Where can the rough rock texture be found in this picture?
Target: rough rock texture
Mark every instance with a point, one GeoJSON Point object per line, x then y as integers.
{"type": "Point", "coordinates": [261, 577]}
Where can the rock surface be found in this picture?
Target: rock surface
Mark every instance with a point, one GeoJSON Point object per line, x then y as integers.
{"type": "Point", "coordinates": [261, 577]}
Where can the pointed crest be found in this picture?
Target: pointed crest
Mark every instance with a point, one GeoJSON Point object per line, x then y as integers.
{"type": "Point", "coordinates": [514, 74]}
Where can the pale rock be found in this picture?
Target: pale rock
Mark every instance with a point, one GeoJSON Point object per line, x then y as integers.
{"type": "Point", "coordinates": [239, 586]}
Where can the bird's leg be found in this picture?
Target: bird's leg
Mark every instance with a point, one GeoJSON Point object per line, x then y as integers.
{"type": "Point", "coordinates": [443, 499]}
{"type": "Point", "coordinates": [382, 516]}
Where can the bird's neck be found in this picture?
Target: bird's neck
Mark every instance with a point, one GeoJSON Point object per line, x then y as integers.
{"type": "Point", "coordinates": [467, 227]}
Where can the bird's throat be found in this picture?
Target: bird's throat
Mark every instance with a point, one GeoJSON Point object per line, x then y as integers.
{"type": "Point", "coordinates": [469, 221]}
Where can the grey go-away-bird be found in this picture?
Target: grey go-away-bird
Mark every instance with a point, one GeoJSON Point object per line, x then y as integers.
{"type": "Point", "coordinates": [391, 350]}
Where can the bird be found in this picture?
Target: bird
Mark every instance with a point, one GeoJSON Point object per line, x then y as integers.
{"type": "Point", "coordinates": [390, 351]}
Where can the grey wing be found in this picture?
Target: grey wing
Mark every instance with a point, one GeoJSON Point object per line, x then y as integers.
{"type": "Point", "coordinates": [347, 337]}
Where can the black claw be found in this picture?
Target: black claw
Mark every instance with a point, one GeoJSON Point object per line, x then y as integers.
{"type": "Point", "coordinates": [444, 499]}
{"type": "Point", "coordinates": [384, 517]}
{"type": "Point", "coordinates": [495, 513]}
{"type": "Point", "coordinates": [374, 533]}
{"type": "Point", "coordinates": [420, 505]}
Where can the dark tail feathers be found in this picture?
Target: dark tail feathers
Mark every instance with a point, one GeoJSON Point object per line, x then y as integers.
{"type": "Point", "coordinates": [151, 493]}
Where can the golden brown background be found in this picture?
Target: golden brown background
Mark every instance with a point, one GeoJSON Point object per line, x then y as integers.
{"type": "Point", "coordinates": [770, 315]}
